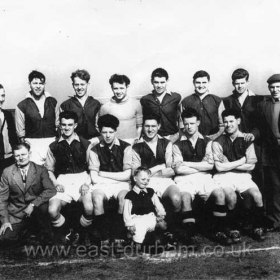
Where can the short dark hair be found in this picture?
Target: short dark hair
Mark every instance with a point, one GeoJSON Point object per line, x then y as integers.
{"type": "Point", "coordinates": [159, 72]}
{"type": "Point", "coordinates": [120, 79]}
{"type": "Point", "coordinates": [231, 112]}
{"type": "Point", "coordinates": [36, 75]}
{"type": "Point", "coordinates": [108, 121]}
{"type": "Point", "coordinates": [21, 145]}
{"type": "Point", "coordinates": [240, 73]}
{"type": "Point", "coordinates": [142, 169]}
{"type": "Point", "coordinates": [82, 74]}
{"type": "Point", "coordinates": [68, 115]}
{"type": "Point", "coordinates": [151, 117]}
{"type": "Point", "coordinates": [201, 74]}
{"type": "Point", "coordinates": [190, 113]}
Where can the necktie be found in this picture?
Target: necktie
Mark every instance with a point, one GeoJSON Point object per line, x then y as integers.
{"type": "Point", "coordinates": [23, 175]}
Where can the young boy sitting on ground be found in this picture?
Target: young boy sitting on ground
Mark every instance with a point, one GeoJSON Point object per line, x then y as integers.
{"type": "Point", "coordinates": [143, 211]}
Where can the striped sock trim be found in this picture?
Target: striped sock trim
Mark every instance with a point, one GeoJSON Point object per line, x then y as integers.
{"type": "Point", "coordinates": [219, 210]}
{"type": "Point", "coordinates": [219, 214]}
{"type": "Point", "coordinates": [85, 222]}
{"type": "Point", "coordinates": [188, 220]}
{"type": "Point", "coordinates": [59, 222]}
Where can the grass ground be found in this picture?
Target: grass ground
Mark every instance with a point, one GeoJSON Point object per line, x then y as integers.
{"type": "Point", "coordinates": [248, 260]}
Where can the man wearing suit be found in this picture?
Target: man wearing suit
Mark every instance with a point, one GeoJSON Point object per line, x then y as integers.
{"type": "Point", "coordinates": [270, 155]}
{"type": "Point", "coordinates": [25, 190]}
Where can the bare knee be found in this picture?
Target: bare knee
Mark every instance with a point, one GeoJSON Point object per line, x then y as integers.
{"type": "Point", "coordinates": [219, 196]}
{"type": "Point", "coordinates": [257, 196]}
{"type": "Point", "coordinates": [173, 195]}
{"type": "Point", "coordinates": [54, 208]}
{"type": "Point", "coordinates": [186, 200]}
{"type": "Point", "coordinates": [98, 202]}
{"type": "Point", "coordinates": [87, 204]}
{"type": "Point", "coordinates": [121, 197]}
{"type": "Point", "coordinates": [231, 199]}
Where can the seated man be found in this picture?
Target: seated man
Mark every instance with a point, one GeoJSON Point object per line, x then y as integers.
{"type": "Point", "coordinates": [193, 163]}
{"type": "Point", "coordinates": [25, 190]}
{"type": "Point", "coordinates": [234, 159]}
{"type": "Point", "coordinates": [110, 170]}
{"type": "Point", "coordinates": [67, 165]}
{"type": "Point", "coordinates": [155, 153]}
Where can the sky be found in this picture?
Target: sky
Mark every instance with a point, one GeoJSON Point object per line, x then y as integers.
{"type": "Point", "coordinates": [134, 37]}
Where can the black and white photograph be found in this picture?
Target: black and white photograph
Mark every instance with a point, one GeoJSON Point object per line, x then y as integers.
{"type": "Point", "coordinates": [139, 139]}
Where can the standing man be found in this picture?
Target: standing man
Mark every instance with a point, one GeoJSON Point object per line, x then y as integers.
{"type": "Point", "coordinates": [67, 165]}
{"type": "Point", "coordinates": [270, 141]}
{"type": "Point", "coordinates": [209, 106]}
{"type": "Point", "coordinates": [8, 137]}
{"type": "Point", "coordinates": [234, 159]}
{"type": "Point", "coordinates": [245, 101]}
{"type": "Point", "coordinates": [25, 190]}
{"type": "Point", "coordinates": [85, 106]}
{"type": "Point", "coordinates": [155, 153]}
{"type": "Point", "coordinates": [126, 109]}
{"type": "Point", "coordinates": [163, 103]}
{"type": "Point", "coordinates": [36, 118]}
{"type": "Point", "coordinates": [110, 166]}
{"type": "Point", "coordinates": [193, 163]}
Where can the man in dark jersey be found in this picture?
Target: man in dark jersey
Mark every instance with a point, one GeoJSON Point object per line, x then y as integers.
{"type": "Point", "coordinates": [208, 105]}
{"type": "Point", "coordinates": [36, 118]}
{"type": "Point", "coordinates": [193, 163]}
{"type": "Point", "coordinates": [110, 164]}
{"type": "Point", "coordinates": [164, 103]}
{"type": "Point", "coordinates": [234, 159]}
{"type": "Point", "coordinates": [68, 170]}
{"type": "Point", "coordinates": [85, 106]}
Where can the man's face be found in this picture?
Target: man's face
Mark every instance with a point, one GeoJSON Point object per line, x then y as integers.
{"type": "Point", "coordinates": [142, 179]}
{"type": "Point", "coordinates": [2, 97]}
{"type": "Point", "coordinates": [151, 128]}
{"type": "Point", "coordinates": [80, 86]}
{"type": "Point", "coordinates": [22, 157]}
{"type": "Point", "coordinates": [231, 124]}
{"type": "Point", "coordinates": [191, 125]}
{"type": "Point", "coordinates": [275, 90]}
{"type": "Point", "coordinates": [67, 127]}
{"type": "Point", "coordinates": [240, 85]}
{"type": "Point", "coordinates": [37, 87]}
{"type": "Point", "coordinates": [159, 84]}
{"type": "Point", "coordinates": [120, 91]}
{"type": "Point", "coordinates": [201, 85]}
{"type": "Point", "coordinates": [108, 134]}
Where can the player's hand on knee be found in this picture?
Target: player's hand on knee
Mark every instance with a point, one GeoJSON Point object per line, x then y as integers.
{"type": "Point", "coordinates": [249, 137]}
{"type": "Point", "coordinates": [60, 188]}
{"type": "Point", "coordinates": [161, 223]}
{"type": "Point", "coordinates": [4, 227]}
{"type": "Point", "coordinates": [84, 189]}
{"type": "Point", "coordinates": [131, 230]}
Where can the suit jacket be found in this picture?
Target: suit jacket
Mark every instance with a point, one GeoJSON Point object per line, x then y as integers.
{"type": "Point", "coordinates": [269, 144]}
{"type": "Point", "coordinates": [15, 197]}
